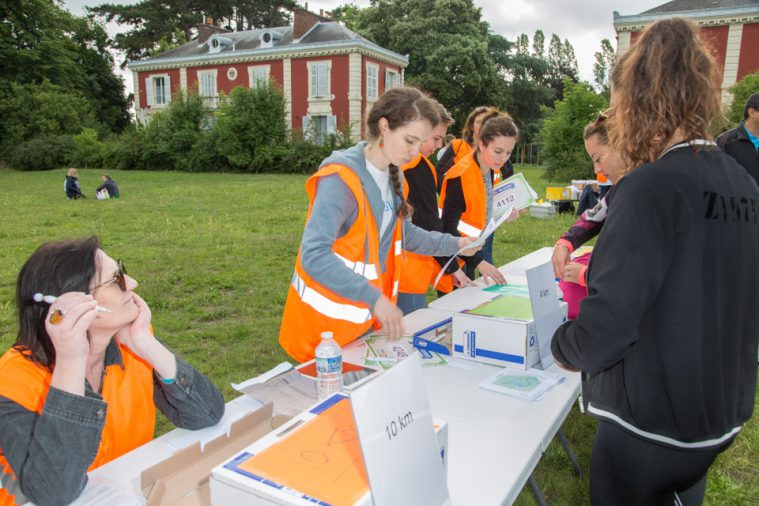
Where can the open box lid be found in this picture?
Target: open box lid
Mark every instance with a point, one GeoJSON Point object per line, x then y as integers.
{"type": "Point", "coordinates": [182, 479]}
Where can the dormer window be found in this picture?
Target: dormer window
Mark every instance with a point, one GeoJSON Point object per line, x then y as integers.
{"type": "Point", "coordinates": [217, 43]}
{"type": "Point", "coordinates": [268, 38]}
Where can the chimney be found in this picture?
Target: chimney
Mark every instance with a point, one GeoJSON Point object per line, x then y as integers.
{"type": "Point", "coordinates": [205, 30]}
{"type": "Point", "coordinates": [303, 20]}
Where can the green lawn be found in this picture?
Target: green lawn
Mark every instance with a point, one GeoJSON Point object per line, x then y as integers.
{"type": "Point", "coordinates": [213, 254]}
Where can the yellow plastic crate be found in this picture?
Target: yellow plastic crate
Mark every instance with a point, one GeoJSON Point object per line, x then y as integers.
{"type": "Point", "coordinates": [558, 193]}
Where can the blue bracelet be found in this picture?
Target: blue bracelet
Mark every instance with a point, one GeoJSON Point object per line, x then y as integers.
{"type": "Point", "coordinates": [167, 381]}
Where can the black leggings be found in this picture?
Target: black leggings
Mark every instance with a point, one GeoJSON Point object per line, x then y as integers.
{"type": "Point", "coordinates": [628, 470]}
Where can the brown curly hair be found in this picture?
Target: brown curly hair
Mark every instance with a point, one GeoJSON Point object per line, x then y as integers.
{"type": "Point", "coordinates": [667, 81]}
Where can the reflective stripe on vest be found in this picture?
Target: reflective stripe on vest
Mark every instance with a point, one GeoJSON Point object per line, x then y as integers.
{"type": "Point", "coordinates": [329, 308]}
{"type": "Point", "coordinates": [467, 229]}
{"type": "Point", "coordinates": [369, 271]}
{"type": "Point", "coordinates": [397, 248]}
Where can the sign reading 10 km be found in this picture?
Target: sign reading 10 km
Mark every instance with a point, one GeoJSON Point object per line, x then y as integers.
{"type": "Point", "coordinates": [392, 429]}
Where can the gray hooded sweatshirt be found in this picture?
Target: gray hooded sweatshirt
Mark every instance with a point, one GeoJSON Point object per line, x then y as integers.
{"type": "Point", "coordinates": [335, 210]}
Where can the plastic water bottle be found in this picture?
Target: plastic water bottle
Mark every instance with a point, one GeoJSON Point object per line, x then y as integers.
{"type": "Point", "coordinates": [329, 366]}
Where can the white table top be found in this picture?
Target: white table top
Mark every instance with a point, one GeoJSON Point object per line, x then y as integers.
{"type": "Point", "coordinates": [494, 441]}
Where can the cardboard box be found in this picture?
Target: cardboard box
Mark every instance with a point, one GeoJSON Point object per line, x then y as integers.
{"type": "Point", "coordinates": [182, 479]}
{"type": "Point", "coordinates": [542, 210]}
{"type": "Point", "coordinates": [233, 482]}
{"type": "Point", "coordinates": [501, 341]}
{"type": "Point", "coordinates": [437, 337]}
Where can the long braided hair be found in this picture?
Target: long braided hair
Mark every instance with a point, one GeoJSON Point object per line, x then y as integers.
{"type": "Point", "coordinates": [400, 106]}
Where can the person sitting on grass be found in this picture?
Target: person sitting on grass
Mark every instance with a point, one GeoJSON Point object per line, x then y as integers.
{"type": "Point", "coordinates": [71, 185]}
{"type": "Point", "coordinates": [110, 186]}
{"type": "Point", "coordinates": [82, 382]}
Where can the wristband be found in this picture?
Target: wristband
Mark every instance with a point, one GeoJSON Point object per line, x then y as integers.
{"type": "Point", "coordinates": [566, 244]}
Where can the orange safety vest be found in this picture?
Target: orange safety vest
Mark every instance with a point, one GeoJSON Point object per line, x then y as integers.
{"type": "Point", "coordinates": [460, 148]}
{"type": "Point", "coordinates": [312, 308]}
{"type": "Point", "coordinates": [418, 272]}
{"type": "Point", "coordinates": [128, 390]}
{"type": "Point", "coordinates": [472, 221]}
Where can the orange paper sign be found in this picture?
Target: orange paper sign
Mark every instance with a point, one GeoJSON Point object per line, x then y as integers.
{"type": "Point", "coordinates": [321, 459]}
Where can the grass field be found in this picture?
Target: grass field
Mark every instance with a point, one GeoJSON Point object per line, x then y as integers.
{"type": "Point", "coordinates": [214, 253]}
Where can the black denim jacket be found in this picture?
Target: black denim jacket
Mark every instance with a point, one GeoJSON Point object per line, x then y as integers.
{"type": "Point", "coordinates": [50, 452]}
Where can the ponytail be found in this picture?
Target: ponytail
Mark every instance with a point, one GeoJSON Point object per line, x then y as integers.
{"type": "Point", "coordinates": [405, 210]}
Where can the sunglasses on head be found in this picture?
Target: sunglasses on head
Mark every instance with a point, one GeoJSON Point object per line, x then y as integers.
{"type": "Point", "coordinates": [118, 278]}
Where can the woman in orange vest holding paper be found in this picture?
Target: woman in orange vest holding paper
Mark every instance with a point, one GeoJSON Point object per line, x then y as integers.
{"type": "Point", "coordinates": [466, 194]}
{"type": "Point", "coordinates": [459, 148]}
{"type": "Point", "coordinates": [347, 270]}
{"type": "Point", "coordinates": [418, 272]}
{"type": "Point", "coordinates": [80, 386]}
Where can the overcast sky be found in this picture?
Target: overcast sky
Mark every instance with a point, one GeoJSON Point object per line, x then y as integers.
{"type": "Point", "coordinates": [583, 22]}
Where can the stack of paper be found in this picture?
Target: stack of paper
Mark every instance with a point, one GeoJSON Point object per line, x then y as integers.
{"type": "Point", "coordinates": [529, 385]}
{"type": "Point", "coordinates": [385, 353]}
{"type": "Point", "coordinates": [514, 307]}
{"type": "Point", "coordinates": [290, 391]}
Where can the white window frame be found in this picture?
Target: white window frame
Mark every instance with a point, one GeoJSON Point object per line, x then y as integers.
{"type": "Point", "coordinates": [232, 73]}
{"type": "Point", "coordinates": [150, 87]}
{"type": "Point", "coordinates": [319, 137]}
{"type": "Point", "coordinates": [210, 96]}
{"type": "Point", "coordinates": [372, 81]}
{"type": "Point", "coordinates": [392, 79]}
{"type": "Point", "coordinates": [256, 80]}
{"type": "Point", "coordinates": [313, 67]}
{"type": "Point", "coordinates": [211, 76]}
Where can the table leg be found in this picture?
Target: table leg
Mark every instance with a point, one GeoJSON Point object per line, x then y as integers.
{"type": "Point", "coordinates": [536, 491]}
{"type": "Point", "coordinates": [568, 449]}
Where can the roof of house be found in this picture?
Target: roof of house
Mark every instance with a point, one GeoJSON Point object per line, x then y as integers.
{"type": "Point", "coordinates": [323, 35]}
{"type": "Point", "coordinates": [702, 11]}
{"type": "Point", "coordinates": [697, 5]}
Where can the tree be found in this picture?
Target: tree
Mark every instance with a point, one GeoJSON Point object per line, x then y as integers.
{"type": "Point", "coordinates": [249, 120]}
{"type": "Point", "coordinates": [349, 15]}
{"type": "Point", "coordinates": [173, 133]}
{"type": "Point", "coordinates": [605, 59]}
{"type": "Point", "coordinates": [523, 44]}
{"type": "Point", "coordinates": [155, 21]}
{"type": "Point", "coordinates": [168, 23]}
{"type": "Point", "coordinates": [40, 41]}
{"type": "Point", "coordinates": [527, 90]}
{"type": "Point", "coordinates": [561, 133]}
{"type": "Point", "coordinates": [539, 44]}
{"type": "Point", "coordinates": [29, 111]}
{"type": "Point", "coordinates": [741, 91]}
{"type": "Point", "coordinates": [452, 62]}
{"type": "Point", "coordinates": [562, 65]}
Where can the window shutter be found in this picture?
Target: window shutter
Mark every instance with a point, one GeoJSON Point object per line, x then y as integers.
{"type": "Point", "coordinates": [168, 89]}
{"type": "Point", "coordinates": [149, 90]}
{"type": "Point", "coordinates": [331, 125]}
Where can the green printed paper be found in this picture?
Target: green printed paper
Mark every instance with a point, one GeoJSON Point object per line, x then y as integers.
{"type": "Point", "coordinates": [511, 289]}
{"type": "Point", "coordinates": [520, 383]}
{"type": "Point", "coordinates": [506, 306]}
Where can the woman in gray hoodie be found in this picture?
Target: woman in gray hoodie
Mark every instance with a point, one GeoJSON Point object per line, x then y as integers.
{"type": "Point", "coordinates": [346, 274]}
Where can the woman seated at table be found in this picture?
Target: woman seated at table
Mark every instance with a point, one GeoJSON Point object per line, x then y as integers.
{"type": "Point", "coordinates": [80, 386]}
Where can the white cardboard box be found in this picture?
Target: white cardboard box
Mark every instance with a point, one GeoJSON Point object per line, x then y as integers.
{"type": "Point", "coordinates": [499, 341]}
{"type": "Point", "coordinates": [232, 486]}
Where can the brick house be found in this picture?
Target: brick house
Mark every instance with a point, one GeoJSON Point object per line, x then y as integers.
{"type": "Point", "coordinates": [730, 26]}
{"type": "Point", "coordinates": [330, 76]}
